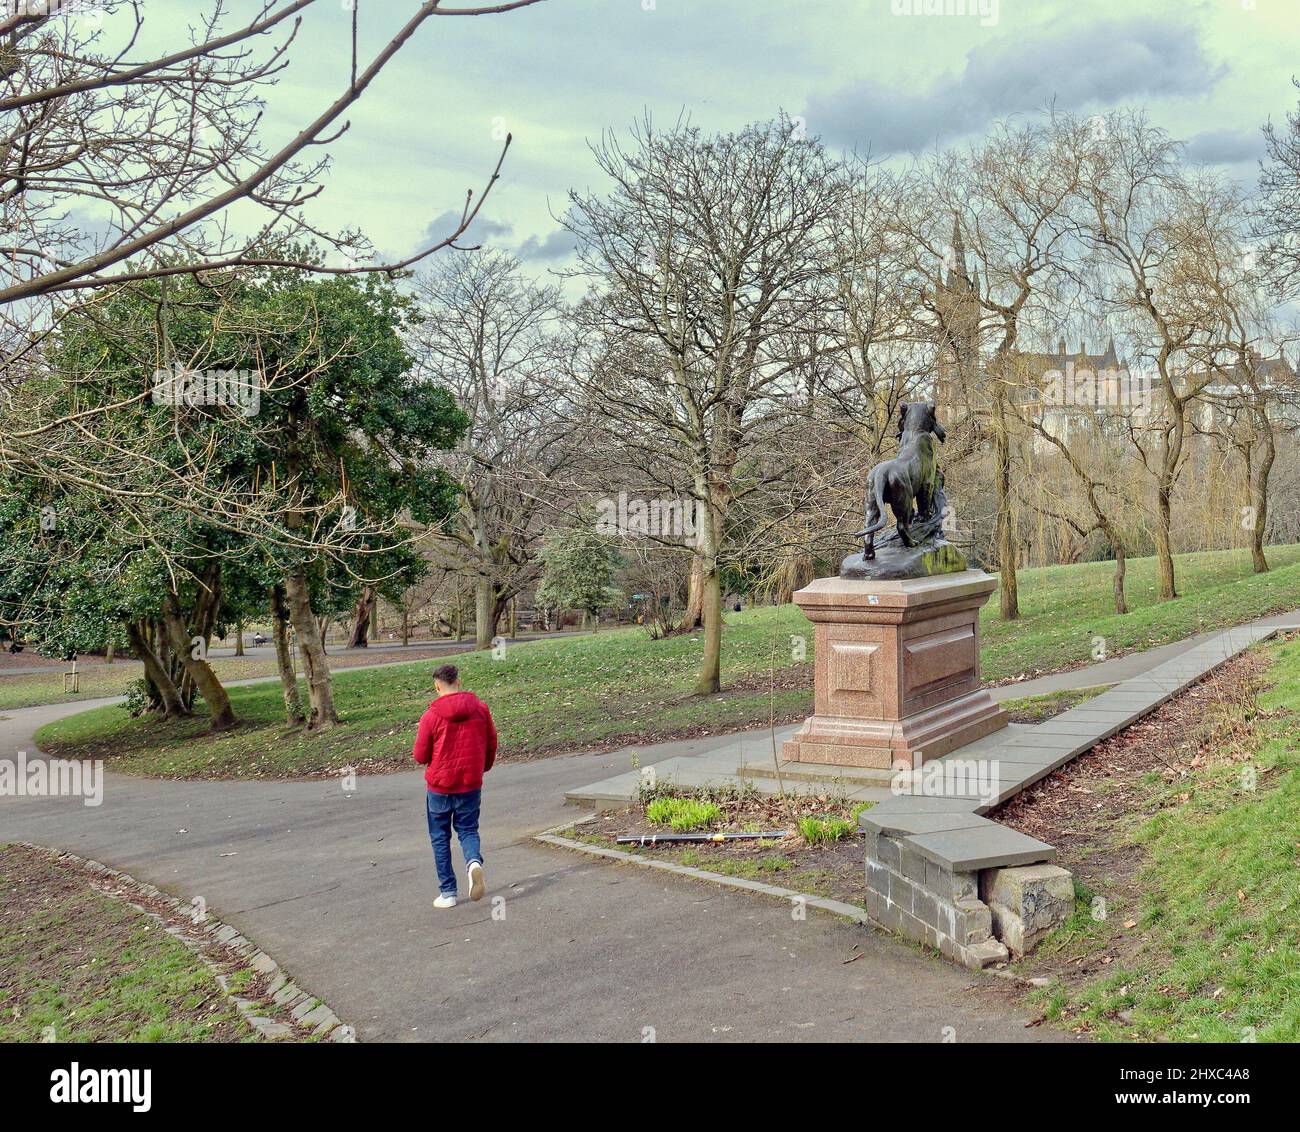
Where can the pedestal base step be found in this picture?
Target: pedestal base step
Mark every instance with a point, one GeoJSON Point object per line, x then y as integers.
{"type": "Point", "coordinates": [852, 776]}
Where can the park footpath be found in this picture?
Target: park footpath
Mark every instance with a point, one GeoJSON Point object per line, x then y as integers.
{"type": "Point", "coordinates": [337, 886]}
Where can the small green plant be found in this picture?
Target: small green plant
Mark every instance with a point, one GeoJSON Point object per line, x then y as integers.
{"type": "Point", "coordinates": [819, 831]}
{"type": "Point", "coordinates": [137, 698]}
{"type": "Point", "coordinates": [682, 814]}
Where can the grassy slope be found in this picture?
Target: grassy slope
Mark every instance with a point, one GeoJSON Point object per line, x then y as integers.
{"type": "Point", "coordinates": [563, 694]}
{"type": "Point", "coordinates": [1220, 900]}
{"type": "Point", "coordinates": [93, 969]}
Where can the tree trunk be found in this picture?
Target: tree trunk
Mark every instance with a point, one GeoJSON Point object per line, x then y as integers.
{"type": "Point", "coordinates": [284, 657]}
{"type": "Point", "coordinates": [1121, 602]}
{"type": "Point", "coordinates": [1164, 548]}
{"type": "Point", "coordinates": [239, 638]}
{"type": "Point", "coordinates": [486, 613]}
{"type": "Point", "coordinates": [1008, 590]}
{"type": "Point", "coordinates": [361, 615]}
{"type": "Point", "coordinates": [156, 637]}
{"type": "Point", "coordinates": [109, 653]}
{"type": "Point", "coordinates": [169, 696]}
{"type": "Point", "coordinates": [196, 667]}
{"type": "Point", "coordinates": [694, 610]}
{"type": "Point", "coordinates": [1259, 500]}
{"type": "Point", "coordinates": [710, 677]}
{"type": "Point", "coordinates": [406, 626]}
{"type": "Point", "coordinates": [317, 670]}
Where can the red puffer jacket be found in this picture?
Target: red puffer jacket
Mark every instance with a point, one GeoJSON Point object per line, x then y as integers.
{"type": "Point", "coordinates": [458, 741]}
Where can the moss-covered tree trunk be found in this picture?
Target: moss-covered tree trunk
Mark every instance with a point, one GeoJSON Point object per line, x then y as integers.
{"type": "Point", "coordinates": [320, 689]}
{"type": "Point", "coordinates": [196, 666]}
{"type": "Point", "coordinates": [284, 657]}
{"type": "Point", "coordinates": [159, 678]}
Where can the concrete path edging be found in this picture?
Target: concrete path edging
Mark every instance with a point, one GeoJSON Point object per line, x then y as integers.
{"type": "Point", "coordinates": [835, 907]}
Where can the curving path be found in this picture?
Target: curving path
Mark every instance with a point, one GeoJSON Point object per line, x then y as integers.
{"type": "Point", "coordinates": [339, 888]}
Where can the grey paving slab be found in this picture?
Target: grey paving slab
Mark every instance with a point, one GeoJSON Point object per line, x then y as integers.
{"type": "Point", "coordinates": [915, 803]}
{"type": "Point", "coordinates": [981, 847]}
{"type": "Point", "coordinates": [1066, 727]}
{"type": "Point", "coordinates": [1101, 715]}
{"type": "Point", "coordinates": [899, 824]}
{"type": "Point", "coordinates": [1030, 750]}
{"type": "Point", "coordinates": [1033, 761]}
{"type": "Point", "coordinates": [1139, 697]}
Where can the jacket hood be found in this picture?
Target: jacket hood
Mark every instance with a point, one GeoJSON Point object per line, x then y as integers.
{"type": "Point", "coordinates": [455, 706]}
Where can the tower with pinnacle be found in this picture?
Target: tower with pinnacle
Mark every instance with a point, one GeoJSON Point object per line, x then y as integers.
{"type": "Point", "coordinates": [957, 307]}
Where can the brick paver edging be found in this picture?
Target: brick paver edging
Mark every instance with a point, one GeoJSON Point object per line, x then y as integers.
{"type": "Point", "coordinates": [309, 1013]}
{"type": "Point", "coordinates": [835, 907]}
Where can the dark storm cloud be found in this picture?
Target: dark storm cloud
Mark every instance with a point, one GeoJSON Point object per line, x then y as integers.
{"type": "Point", "coordinates": [1100, 65]}
{"type": "Point", "coordinates": [484, 230]}
{"type": "Point", "coordinates": [557, 245]}
{"type": "Point", "coordinates": [1226, 147]}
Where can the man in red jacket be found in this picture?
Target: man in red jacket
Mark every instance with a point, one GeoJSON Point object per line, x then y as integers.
{"type": "Point", "coordinates": [456, 744]}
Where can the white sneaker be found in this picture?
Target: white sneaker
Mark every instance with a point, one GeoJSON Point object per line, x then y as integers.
{"type": "Point", "coordinates": [445, 901]}
{"type": "Point", "coordinates": [476, 882]}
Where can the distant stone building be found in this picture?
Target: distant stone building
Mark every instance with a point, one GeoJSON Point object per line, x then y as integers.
{"type": "Point", "coordinates": [1221, 394]}
{"type": "Point", "coordinates": [1061, 389]}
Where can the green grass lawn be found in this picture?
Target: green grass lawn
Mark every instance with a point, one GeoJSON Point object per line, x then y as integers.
{"type": "Point", "coordinates": [1220, 898]}
{"type": "Point", "coordinates": [77, 966]}
{"type": "Point", "coordinates": [567, 694]}
{"type": "Point", "coordinates": [101, 680]}
{"type": "Point", "coordinates": [106, 680]}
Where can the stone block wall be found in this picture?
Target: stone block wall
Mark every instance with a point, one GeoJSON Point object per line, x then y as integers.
{"type": "Point", "coordinates": [975, 918]}
{"type": "Point", "coordinates": [919, 899]}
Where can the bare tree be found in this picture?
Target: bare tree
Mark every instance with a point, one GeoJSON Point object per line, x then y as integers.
{"type": "Point", "coordinates": [701, 257]}
{"type": "Point", "coordinates": [1005, 200]}
{"type": "Point", "coordinates": [1277, 215]}
{"type": "Point", "coordinates": [487, 334]}
{"type": "Point", "coordinates": [1151, 224]}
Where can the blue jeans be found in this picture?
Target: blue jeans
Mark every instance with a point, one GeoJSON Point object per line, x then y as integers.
{"type": "Point", "coordinates": [448, 812]}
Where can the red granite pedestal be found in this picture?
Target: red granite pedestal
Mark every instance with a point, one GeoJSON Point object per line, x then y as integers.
{"type": "Point", "coordinates": [898, 670]}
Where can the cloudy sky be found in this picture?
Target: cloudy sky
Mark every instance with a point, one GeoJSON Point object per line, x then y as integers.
{"type": "Point", "coordinates": [862, 73]}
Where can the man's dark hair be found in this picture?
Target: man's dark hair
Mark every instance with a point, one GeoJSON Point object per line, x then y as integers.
{"type": "Point", "coordinates": [446, 673]}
